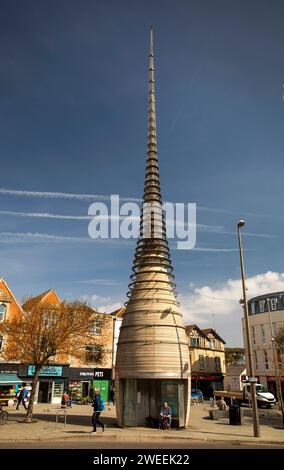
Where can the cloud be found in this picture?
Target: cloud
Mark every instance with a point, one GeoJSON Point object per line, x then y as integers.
{"type": "Point", "coordinates": [101, 282]}
{"type": "Point", "coordinates": [109, 305]}
{"type": "Point", "coordinates": [223, 301]}
{"type": "Point", "coordinates": [109, 308]}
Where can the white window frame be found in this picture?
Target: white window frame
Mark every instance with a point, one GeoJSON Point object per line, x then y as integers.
{"type": "Point", "coordinates": [94, 347]}
{"type": "Point", "coordinates": [201, 364]}
{"type": "Point", "coordinates": [97, 330]}
{"type": "Point", "coordinates": [263, 336]}
{"type": "Point", "coordinates": [217, 361]}
{"type": "Point", "coordinates": [3, 315]}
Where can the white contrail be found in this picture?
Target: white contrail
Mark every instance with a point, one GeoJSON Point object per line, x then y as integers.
{"type": "Point", "coordinates": [57, 195]}
{"type": "Point", "coordinates": [12, 237]}
{"type": "Point", "coordinates": [46, 215]}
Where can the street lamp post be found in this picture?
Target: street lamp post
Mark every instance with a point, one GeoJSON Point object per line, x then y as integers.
{"type": "Point", "coordinates": [275, 359]}
{"type": "Point", "coordinates": [256, 428]}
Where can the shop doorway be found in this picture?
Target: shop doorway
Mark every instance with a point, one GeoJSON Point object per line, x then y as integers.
{"type": "Point", "coordinates": [85, 389]}
{"type": "Point", "coordinates": [44, 392]}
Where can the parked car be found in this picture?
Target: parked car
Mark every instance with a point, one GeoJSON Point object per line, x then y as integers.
{"type": "Point", "coordinates": [197, 394]}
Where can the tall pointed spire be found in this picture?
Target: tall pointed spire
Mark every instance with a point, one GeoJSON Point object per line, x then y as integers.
{"type": "Point", "coordinates": [152, 345]}
{"type": "Point", "coordinates": [152, 249]}
{"type": "Point", "coordinates": [152, 185]}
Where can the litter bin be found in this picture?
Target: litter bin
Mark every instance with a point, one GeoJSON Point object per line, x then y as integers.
{"type": "Point", "coordinates": [235, 415]}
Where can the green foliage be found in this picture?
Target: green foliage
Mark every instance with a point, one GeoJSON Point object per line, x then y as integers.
{"type": "Point", "coordinates": [234, 356]}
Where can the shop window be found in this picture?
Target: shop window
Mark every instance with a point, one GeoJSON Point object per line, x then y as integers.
{"type": "Point", "coordinates": [3, 309]}
{"type": "Point", "coordinates": [97, 329]}
{"type": "Point", "coordinates": [93, 353]}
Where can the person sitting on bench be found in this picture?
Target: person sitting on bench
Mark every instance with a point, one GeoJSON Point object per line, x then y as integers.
{"type": "Point", "coordinates": [165, 416]}
{"type": "Point", "coordinates": [221, 404]}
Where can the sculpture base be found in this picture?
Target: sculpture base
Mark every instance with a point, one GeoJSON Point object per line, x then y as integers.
{"type": "Point", "coordinates": [139, 401]}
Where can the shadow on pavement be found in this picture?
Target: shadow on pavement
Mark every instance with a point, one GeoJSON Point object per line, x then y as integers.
{"type": "Point", "coordinates": [77, 420]}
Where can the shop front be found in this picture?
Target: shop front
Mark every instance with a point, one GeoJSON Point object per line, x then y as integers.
{"type": "Point", "coordinates": [83, 382]}
{"type": "Point", "coordinates": [272, 385]}
{"type": "Point", "coordinates": [9, 383]}
{"type": "Point", "coordinates": [207, 384]}
{"type": "Point", "coordinates": [51, 384]}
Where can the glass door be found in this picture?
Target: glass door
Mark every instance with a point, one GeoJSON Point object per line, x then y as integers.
{"type": "Point", "coordinates": [129, 401]}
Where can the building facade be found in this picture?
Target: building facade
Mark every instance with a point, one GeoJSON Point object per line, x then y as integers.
{"type": "Point", "coordinates": [9, 308]}
{"type": "Point", "coordinates": [207, 359]}
{"type": "Point", "coordinates": [266, 316]}
{"type": "Point", "coordinates": [235, 376]}
{"type": "Point", "coordinates": [79, 376]}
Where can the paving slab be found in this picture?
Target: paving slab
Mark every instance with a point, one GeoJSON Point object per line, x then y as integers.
{"type": "Point", "coordinates": [79, 426]}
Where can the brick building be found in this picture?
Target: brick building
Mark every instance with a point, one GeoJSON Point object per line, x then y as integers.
{"type": "Point", "coordinates": [207, 357]}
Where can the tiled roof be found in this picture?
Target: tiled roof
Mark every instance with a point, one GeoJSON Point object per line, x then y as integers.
{"type": "Point", "coordinates": [206, 331]}
{"type": "Point", "coordinates": [32, 302]}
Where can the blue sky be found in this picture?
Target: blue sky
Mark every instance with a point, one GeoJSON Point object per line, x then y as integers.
{"type": "Point", "coordinates": [73, 119]}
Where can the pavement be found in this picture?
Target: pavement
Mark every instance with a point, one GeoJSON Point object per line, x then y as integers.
{"type": "Point", "coordinates": [78, 428]}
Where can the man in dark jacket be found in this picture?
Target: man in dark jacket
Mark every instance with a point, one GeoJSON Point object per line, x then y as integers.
{"type": "Point", "coordinates": [98, 408]}
{"type": "Point", "coordinates": [22, 396]}
{"type": "Point", "coordinates": [165, 416]}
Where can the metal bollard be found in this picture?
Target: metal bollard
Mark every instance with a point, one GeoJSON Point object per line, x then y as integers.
{"type": "Point", "coordinates": [58, 414]}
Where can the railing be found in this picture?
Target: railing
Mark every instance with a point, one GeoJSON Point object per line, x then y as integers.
{"type": "Point", "coordinates": [60, 413]}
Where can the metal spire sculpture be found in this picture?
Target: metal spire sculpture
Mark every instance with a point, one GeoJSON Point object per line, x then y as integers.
{"type": "Point", "coordinates": [152, 342]}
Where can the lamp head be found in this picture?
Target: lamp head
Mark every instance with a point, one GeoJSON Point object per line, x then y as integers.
{"type": "Point", "coordinates": [241, 223]}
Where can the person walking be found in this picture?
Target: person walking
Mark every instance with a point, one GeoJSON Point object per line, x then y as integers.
{"type": "Point", "coordinates": [22, 398]}
{"type": "Point", "coordinates": [98, 405]}
{"type": "Point", "coordinates": [111, 396]}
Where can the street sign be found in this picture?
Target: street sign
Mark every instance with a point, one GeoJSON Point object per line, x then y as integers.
{"type": "Point", "coordinates": [252, 379]}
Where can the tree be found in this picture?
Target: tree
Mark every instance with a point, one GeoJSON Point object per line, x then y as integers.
{"type": "Point", "coordinates": [46, 331]}
{"type": "Point", "coordinates": [278, 350]}
{"type": "Point", "coordinates": [234, 356]}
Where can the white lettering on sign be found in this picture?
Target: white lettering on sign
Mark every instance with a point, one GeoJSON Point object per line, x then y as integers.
{"type": "Point", "coordinates": [99, 374]}
{"type": "Point", "coordinates": [86, 374]}
{"type": "Point", "coordinates": [273, 303]}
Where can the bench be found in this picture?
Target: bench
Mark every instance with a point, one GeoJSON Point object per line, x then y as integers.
{"type": "Point", "coordinates": [153, 422]}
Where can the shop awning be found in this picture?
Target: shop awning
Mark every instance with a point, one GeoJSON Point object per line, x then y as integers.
{"type": "Point", "coordinates": [9, 379]}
